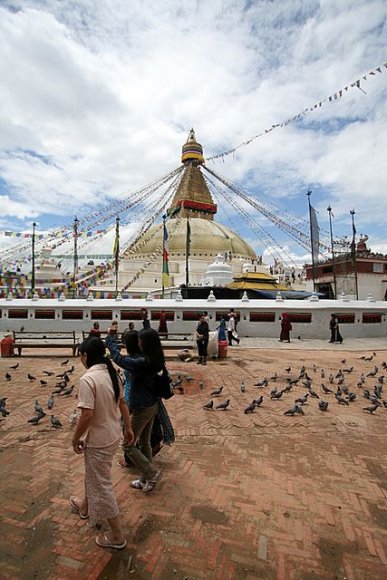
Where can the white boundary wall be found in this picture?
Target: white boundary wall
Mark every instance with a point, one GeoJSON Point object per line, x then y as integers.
{"type": "Point", "coordinates": [318, 311]}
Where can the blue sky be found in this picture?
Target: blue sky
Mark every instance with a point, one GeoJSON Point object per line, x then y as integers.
{"type": "Point", "coordinates": [97, 99]}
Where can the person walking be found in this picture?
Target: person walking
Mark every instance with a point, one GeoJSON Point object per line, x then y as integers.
{"type": "Point", "coordinates": [286, 327]}
{"type": "Point", "coordinates": [335, 330]}
{"type": "Point", "coordinates": [101, 400]}
{"type": "Point", "coordinates": [142, 402]}
{"type": "Point", "coordinates": [163, 328]}
{"type": "Point", "coordinates": [145, 320]}
{"type": "Point", "coordinates": [231, 330]}
{"type": "Point", "coordinates": [202, 336]}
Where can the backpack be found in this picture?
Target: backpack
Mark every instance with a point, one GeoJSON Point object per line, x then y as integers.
{"type": "Point", "coordinates": [163, 385]}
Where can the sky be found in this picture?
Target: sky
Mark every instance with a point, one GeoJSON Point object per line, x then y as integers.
{"type": "Point", "coordinates": [97, 98]}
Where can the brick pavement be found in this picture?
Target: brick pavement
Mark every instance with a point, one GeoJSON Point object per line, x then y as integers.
{"type": "Point", "coordinates": [242, 496]}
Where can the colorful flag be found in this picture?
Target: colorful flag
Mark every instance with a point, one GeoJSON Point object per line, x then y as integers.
{"type": "Point", "coordinates": [165, 276]}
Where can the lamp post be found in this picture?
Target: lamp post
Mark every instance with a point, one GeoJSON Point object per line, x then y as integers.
{"type": "Point", "coordinates": [76, 223]}
{"type": "Point", "coordinates": [309, 193]}
{"type": "Point", "coordinates": [329, 210]}
{"type": "Point", "coordinates": [33, 260]}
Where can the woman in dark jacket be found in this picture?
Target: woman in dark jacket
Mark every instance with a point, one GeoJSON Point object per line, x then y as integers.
{"type": "Point", "coordinates": [142, 402]}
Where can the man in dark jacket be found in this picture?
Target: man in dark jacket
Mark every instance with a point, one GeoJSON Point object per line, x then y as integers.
{"type": "Point", "coordinates": [202, 332]}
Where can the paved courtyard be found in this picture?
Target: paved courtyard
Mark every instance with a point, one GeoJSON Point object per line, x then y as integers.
{"type": "Point", "coordinates": [259, 495]}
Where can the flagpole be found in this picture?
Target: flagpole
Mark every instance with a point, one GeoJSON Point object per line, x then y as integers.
{"type": "Point", "coordinates": [309, 193]}
{"type": "Point", "coordinates": [354, 265]}
{"type": "Point", "coordinates": [162, 266]}
{"type": "Point", "coordinates": [33, 260]}
{"type": "Point", "coordinates": [117, 251]}
{"type": "Point", "coordinates": [187, 250]}
{"type": "Point", "coordinates": [76, 223]}
{"type": "Point", "coordinates": [329, 209]}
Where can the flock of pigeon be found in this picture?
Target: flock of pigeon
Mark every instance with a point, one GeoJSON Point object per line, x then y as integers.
{"type": "Point", "coordinates": [60, 388]}
{"type": "Point", "coordinates": [338, 387]}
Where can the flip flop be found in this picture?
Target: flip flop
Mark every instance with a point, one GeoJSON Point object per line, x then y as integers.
{"type": "Point", "coordinates": [76, 507]}
{"type": "Point", "coordinates": [104, 542]}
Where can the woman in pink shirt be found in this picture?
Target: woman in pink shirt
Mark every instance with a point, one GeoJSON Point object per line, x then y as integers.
{"type": "Point", "coordinates": [102, 402]}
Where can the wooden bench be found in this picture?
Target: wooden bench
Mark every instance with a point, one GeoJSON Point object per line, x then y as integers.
{"type": "Point", "coordinates": [45, 340]}
{"type": "Point", "coordinates": [86, 334]}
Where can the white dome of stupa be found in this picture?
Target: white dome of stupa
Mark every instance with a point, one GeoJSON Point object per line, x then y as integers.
{"type": "Point", "coordinates": [218, 273]}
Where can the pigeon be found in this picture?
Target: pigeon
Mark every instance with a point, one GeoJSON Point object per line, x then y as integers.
{"type": "Point", "coordinates": [14, 367]}
{"type": "Point", "coordinates": [314, 368]}
{"type": "Point", "coordinates": [31, 377]}
{"type": "Point", "coordinates": [4, 411]}
{"type": "Point", "coordinates": [341, 380]}
{"type": "Point", "coordinates": [302, 370]}
{"type": "Point", "coordinates": [274, 377]}
{"type": "Point", "coordinates": [55, 422]}
{"type": "Point", "coordinates": [292, 381]}
{"type": "Point", "coordinates": [344, 389]}
{"type": "Point", "coordinates": [43, 383]}
{"type": "Point", "coordinates": [366, 393]}
{"type": "Point", "coordinates": [48, 373]}
{"type": "Point", "coordinates": [250, 408]}
{"type": "Point", "coordinates": [381, 379]}
{"type": "Point", "coordinates": [22, 329]}
{"type": "Point", "coordinates": [38, 408]}
{"type": "Point", "coordinates": [242, 387]}
{"type": "Point", "coordinates": [351, 397]}
{"type": "Point", "coordinates": [288, 369]}
{"type": "Point", "coordinates": [262, 383]}
{"type": "Point", "coordinates": [3, 401]}
{"type": "Point", "coordinates": [313, 393]}
{"type": "Point", "coordinates": [296, 409]}
{"type": "Point", "coordinates": [373, 373]}
{"type": "Point", "coordinates": [343, 361]}
{"type": "Point", "coordinates": [35, 420]}
{"type": "Point", "coordinates": [349, 370]}
{"type": "Point", "coordinates": [223, 406]}
{"type": "Point", "coordinates": [8, 377]}
{"type": "Point", "coordinates": [323, 405]}
{"type": "Point", "coordinates": [57, 391]}
{"type": "Point", "coordinates": [188, 378]}
{"type": "Point", "coordinates": [307, 384]}
{"type": "Point", "coordinates": [277, 395]}
{"type": "Point", "coordinates": [258, 402]}
{"type": "Point", "coordinates": [201, 385]}
{"type": "Point", "coordinates": [67, 392]}
{"type": "Point", "coordinates": [209, 405]}
{"type": "Point", "coordinates": [217, 392]}
{"type": "Point", "coordinates": [370, 409]}
{"type": "Point", "coordinates": [287, 389]}
{"type": "Point", "coordinates": [331, 378]}
{"type": "Point", "coordinates": [73, 418]}
{"type": "Point", "coordinates": [70, 371]}
{"type": "Point", "coordinates": [326, 389]}
{"type": "Point", "coordinates": [322, 374]}
{"type": "Point", "coordinates": [273, 391]}
{"type": "Point", "coordinates": [65, 362]}
{"type": "Point", "coordinates": [341, 400]}
{"type": "Point", "coordinates": [50, 402]}
{"type": "Point", "coordinates": [303, 399]}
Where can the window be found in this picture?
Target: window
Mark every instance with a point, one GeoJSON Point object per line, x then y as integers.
{"type": "Point", "coordinates": [44, 314]}
{"type": "Point", "coordinates": [72, 315]}
{"type": "Point", "coordinates": [371, 318]}
{"type": "Point", "coordinates": [131, 315]}
{"type": "Point", "coordinates": [192, 314]}
{"type": "Point", "coordinates": [101, 314]}
{"type": "Point", "coordinates": [262, 317]}
{"type": "Point", "coordinates": [155, 315]}
{"type": "Point", "coordinates": [18, 313]}
{"type": "Point", "coordinates": [378, 267]}
{"type": "Point", "coordinates": [346, 318]}
{"type": "Point", "coordinates": [301, 317]}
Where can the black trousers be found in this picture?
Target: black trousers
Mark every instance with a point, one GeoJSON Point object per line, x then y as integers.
{"type": "Point", "coordinates": [202, 347]}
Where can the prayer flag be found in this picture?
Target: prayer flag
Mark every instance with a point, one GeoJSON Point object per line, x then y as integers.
{"type": "Point", "coordinates": [165, 272]}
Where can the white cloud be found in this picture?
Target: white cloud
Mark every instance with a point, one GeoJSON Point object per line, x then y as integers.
{"type": "Point", "coordinates": [105, 92]}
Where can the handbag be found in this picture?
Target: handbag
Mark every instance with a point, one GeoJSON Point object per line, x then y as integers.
{"type": "Point", "coordinates": [163, 384]}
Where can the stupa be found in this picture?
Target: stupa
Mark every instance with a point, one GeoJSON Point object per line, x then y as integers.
{"type": "Point", "coordinates": [192, 213]}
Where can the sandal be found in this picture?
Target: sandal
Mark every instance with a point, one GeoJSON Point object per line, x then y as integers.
{"type": "Point", "coordinates": [137, 484]}
{"type": "Point", "coordinates": [77, 509]}
{"type": "Point", "coordinates": [104, 542]}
